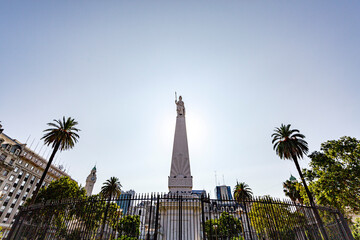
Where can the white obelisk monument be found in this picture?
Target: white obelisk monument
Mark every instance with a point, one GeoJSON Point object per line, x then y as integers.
{"type": "Point", "coordinates": [180, 179]}
{"type": "Point", "coordinates": [180, 215]}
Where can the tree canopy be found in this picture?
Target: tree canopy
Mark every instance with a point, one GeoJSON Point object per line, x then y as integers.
{"type": "Point", "coordinates": [226, 226]}
{"type": "Point", "coordinates": [63, 188]}
{"type": "Point", "coordinates": [334, 174]}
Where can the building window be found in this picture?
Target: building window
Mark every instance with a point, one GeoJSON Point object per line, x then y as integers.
{"type": "Point", "coordinates": [17, 152]}
{"type": "Point", "coordinates": [6, 187]}
{"type": "Point", "coordinates": [26, 164]}
{"type": "Point", "coordinates": [16, 169]}
{"type": "Point", "coordinates": [8, 147]}
{"type": "Point", "coordinates": [2, 157]}
{"type": "Point", "coordinates": [11, 177]}
{"type": "Point", "coordinates": [20, 161]}
{"type": "Point", "coordinates": [5, 173]}
{"type": "Point", "coordinates": [32, 168]}
{"type": "Point", "coordinates": [12, 161]}
{"type": "Point", "coordinates": [32, 180]}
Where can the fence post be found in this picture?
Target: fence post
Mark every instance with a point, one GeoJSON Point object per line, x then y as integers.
{"type": "Point", "coordinates": [346, 226]}
{"type": "Point", "coordinates": [211, 235]}
{"type": "Point", "coordinates": [247, 220]}
{"type": "Point", "coordinates": [340, 227]}
{"type": "Point", "coordinates": [149, 226]}
{"type": "Point", "coordinates": [14, 226]}
{"type": "Point", "coordinates": [180, 217]}
{"type": "Point", "coordinates": [203, 216]}
{"type": "Point", "coordinates": [157, 217]}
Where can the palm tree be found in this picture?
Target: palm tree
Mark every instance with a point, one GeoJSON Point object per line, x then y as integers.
{"type": "Point", "coordinates": [61, 136]}
{"type": "Point", "coordinates": [242, 192]}
{"type": "Point", "coordinates": [290, 190]}
{"type": "Point", "coordinates": [290, 144]}
{"type": "Point", "coordinates": [111, 188]}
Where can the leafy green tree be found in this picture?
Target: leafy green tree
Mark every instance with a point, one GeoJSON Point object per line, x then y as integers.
{"type": "Point", "coordinates": [128, 226]}
{"type": "Point", "coordinates": [356, 229]}
{"type": "Point", "coordinates": [111, 188]}
{"type": "Point", "coordinates": [91, 213]}
{"type": "Point", "coordinates": [63, 188]}
{"type": "Point", "coordinates": [290, 144]}
{"type": "Point", "coordinates": [334, 174]}
{"type": "Point", "coordinates": [62, 136]}
{"type": "Point", "coordinates": [56, 215]}
{"type": "Point", "coordinates": [226, 227]}
{"type": "Point", "coordinates": [274, 220]}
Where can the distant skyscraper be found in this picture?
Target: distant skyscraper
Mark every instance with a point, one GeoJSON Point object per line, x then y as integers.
{"type": "Point", "coordinates": [125, 200]}
{"type": "Point", "coordinates": [223, 192]}
{"type": "Point", "coordinates": [90, 182]}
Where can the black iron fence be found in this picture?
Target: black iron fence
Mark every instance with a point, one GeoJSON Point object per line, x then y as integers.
{"type": "Point", "coordinates": [155, 216]}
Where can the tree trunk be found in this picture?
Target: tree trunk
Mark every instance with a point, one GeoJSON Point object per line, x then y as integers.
{"type": "Point", "coordinates": [316, 213]}
{"type": "Point", "coordinates": [104, 220]}
{"type": "Point", "coordinates": [56, 148]}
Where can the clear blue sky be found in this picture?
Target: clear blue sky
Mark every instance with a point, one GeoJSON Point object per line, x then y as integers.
{"type": "Point", "coordinates": [242, 67]}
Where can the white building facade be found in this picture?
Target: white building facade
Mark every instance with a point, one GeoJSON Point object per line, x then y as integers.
{"type": "Point", "coordinates": [20, 171]}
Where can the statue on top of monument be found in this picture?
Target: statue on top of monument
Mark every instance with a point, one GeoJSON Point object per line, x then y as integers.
{"type": "Point", "coordinates": [180, 108]}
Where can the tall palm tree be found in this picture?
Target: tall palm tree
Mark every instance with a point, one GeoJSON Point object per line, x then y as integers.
{"type": "Point", "coordinates": [61, 136]}
{"type": "Point", "coordinates": [242, 192]}
{"type": "Point", "coordinates": [290, 144]}
{"type": "Point", "coordinates": [111, 188]}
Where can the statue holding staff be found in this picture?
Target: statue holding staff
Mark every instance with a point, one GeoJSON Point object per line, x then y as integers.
{"type": "Point", "coordinates": [180, 108]}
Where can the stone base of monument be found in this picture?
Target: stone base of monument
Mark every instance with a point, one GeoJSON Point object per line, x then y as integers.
{"type": "Point", "coordinates": [180, 218]}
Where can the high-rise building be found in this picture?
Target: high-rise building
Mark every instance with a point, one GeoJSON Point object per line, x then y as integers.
{"type": "Point", "coordinates": [90, 182]}
{"type": "Point", "coordinates": [20, 171]}
{"type": "Point", "coordinates": [125, 200]}
{"type": "Point", "coordinates": [223, 192]}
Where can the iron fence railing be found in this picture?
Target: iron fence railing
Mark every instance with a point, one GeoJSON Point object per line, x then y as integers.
{"type": "Point", "coordinates": [164, 216]}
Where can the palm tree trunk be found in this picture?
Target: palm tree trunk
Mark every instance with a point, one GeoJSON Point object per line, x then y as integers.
{"type": "Point", "coordinates": [312, 204]}
{"type": "Point", "coordinates": [56, 148]}
{"type": "Point", "coordinates": [105, 216]}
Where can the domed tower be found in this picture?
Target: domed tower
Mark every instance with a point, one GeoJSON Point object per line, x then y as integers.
{"type": "Point", "coordinates": [90, 182]}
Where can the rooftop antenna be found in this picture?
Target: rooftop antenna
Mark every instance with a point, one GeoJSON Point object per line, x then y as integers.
{"type": "Point", "coordinates": [40, 149]}
{"type": "Point", "coordinates": [32, 143]}
{"type": "Point", "coordinates": [215, 179]}
{"type": "Point", "coordinates": [223, 179]}
{"type": "Point", "coordinates": [175, 96]}
{"type": "Point", "coordinates": [44, 153]}
{"type": "Point", "coordinates": [27, 139]}
{"type": "Point", "coordinates": [36, 146]}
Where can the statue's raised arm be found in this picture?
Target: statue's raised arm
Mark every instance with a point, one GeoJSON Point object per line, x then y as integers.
{"type": "Point", "coordinates": [180, 108]}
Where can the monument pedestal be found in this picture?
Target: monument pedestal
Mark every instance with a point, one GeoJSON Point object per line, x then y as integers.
{"type": "Point", "coordinates": [180, 219]}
